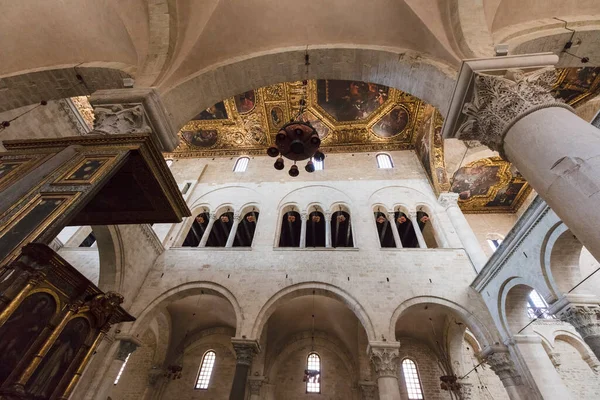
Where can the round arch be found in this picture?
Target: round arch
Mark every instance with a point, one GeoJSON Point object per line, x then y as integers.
{"type": "Point", "coordinates": [179, 292]}
{"type": "Point", "coordinates": [574, 340]}
{"type": "Point", "coordinates": [305, 289]}
{"type": "Point", "coordinates": [483, 335]}
{"type": "Point", "coordinates": [112, 257]}
{"type": "Point", "coordinates": [398, 68]}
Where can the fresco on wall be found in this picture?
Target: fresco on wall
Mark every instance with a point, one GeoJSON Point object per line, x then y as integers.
{"type": "Point", "coordinates": [201, 138]}
{"type": "Point", "coordinates": [475, 181]}
{"type": "Point", "coordinates": [214, 112]}
{"type": "Point", "coordinates": [577, 85]}
{"type": "Point", "coordinates": [392, 124]}
{"type": "Point", "coordinates": [350, 100]}
{"type": "Point", "coordinates": [245, 102]}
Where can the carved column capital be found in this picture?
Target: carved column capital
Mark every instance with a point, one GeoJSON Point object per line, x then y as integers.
{"type": "Point", "coordinates": [385, 357]}
{"type": "Point", "coordinates": [213, 217]}
{"type": "Point", "coordinates": [448, 199]}
{"type": "Point", "coordinates": [328, 215]}
{"type": "Point", "coordinates": [304, 216]}
{"type": "Point", "coordinates": [584, 317]}
{"type": "Point", "coordinates": [368, 390]}
{"type": "Point", "coordinates": [245, 350]}
{"type": "Point", "coordinates": [255, 383]}
{"type": "Point", "coordinates": [500, 101]}
{"type": "Point", "coordinates": [499, 360]}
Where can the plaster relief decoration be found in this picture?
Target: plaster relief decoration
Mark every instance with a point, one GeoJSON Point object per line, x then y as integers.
{"type": "Point", "coordinates": [490, 185]}
{"type": "Point", "coordinates": [349, 116]}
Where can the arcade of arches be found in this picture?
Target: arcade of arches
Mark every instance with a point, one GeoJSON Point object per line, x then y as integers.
{"type": "Point", "coordinates": [445, 248]}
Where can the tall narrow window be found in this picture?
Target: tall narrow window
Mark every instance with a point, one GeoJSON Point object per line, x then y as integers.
{"type": "Point", "coordinates": [411, 377]}
{"type": "Point", "coordinates": [537, 307]}
{"type": "Point", "coordinates": [341, 230]}
{"type": "Point", "coordinates": [384, 161]}
{"type": "Point", "coordinates": [206, 368]}
{"type": "Point", "coordinates": [319, 165]}
{"type": "Point", "coordinates": [494, 243]}
{"type": "Point", "coordinates": [122, 369]}
{"type": "Point", "coordinates": [313, 373]}
{"type": "Point", "coordinates": [241, 164]}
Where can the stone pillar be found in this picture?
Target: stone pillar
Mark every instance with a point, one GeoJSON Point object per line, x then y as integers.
{"type": "Point", "coordinates": [385, 359]}
{"type": "Point", "coordinates": [463, 230]}
{"type": "Point", "coordinates": [303, 218]}
{"type": "Point", "coordinates": [415, 223]}
{"type": "Point", "coordinates": [255, 383]}
{"type": "Point", "coordinates": [500, 361]}
{"type": "Point", "coordinates": [555, 150]}
{"type": "Point", "coordinates": [206, 234]}
{"type": "Point", "coordinates": [231, 238]}
{"type": "Point", "coordinates": [392, 220]}
{"type": "Point", "coordinates": [368, 390]}
{"type": "Point", "coordinates": [328, 230]}
{"type": "Point", "coordinates": [585, 319]}
{"type": "Point", "coordinates": [245, 351]}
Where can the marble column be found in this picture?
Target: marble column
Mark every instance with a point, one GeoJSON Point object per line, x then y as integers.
{"type": "Point", "coordinates": [463, 230]}
{"type": "Point", "coordinates": [500, 361]}
{"type": "Point", "coordinates": [385, 358]}
{"type": "Point", "coordinates": [585, 319]}
{"type": "Point", "coordinates": [255, 384]}
{"type": "Point", "coordinates": [394, 227]}
{"type": "Point", "coordinates": [245, 351]}
{"type": "Point", "coordinates": [555, 150]}
{"type": "Point", "coordinates": [231, 238]}
{"type": "Point", "coordinates": [415, 223]}
{"type": "Point", "coordinates": [328, 230]}
{"type": "Point", "coordinates": [303, 218]}
{"type": "Point", "coordinates": [206, 234]}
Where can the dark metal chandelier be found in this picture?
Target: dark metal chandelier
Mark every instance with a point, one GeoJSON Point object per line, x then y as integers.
{"type": "Point", "coordinates": [297, 140]}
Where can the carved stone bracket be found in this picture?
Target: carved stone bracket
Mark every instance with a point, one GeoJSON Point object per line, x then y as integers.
{"type": "Point", "coordinates": [584, 317]}
{"type": "Point", "coordinates": [368, 390]}
{"type": "Point", "coordinates": [385, 357]}
{"type": "Point", "coordinates": [500, 101]}
{"type": "Point", "coordinates": [448, 199]}
{"type": "Point", "coordinates": [255, 383]}
{"type": "Point", "coordinates": [245, 350]}
{"type": "Point", "coordinates": [499, 360]}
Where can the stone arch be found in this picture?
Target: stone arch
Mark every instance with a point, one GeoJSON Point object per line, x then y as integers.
{"type": "Point", "coordinates": [574, 340]}
{"type": "Point", "coordinates": [512, 304]}
{"type": "Point", "coordinates": [400, 196]}
{"type": "Point", "coordinates": [187, 222]}
{"type": "Point", "coordinates": [404, 70]}
{"type": "Point", "coordinates": [471, 31]}
{"type": "Point", "coordinates": [149, 312]}
{"type": "Point", "coordinates": [112, 257]}
{"type": "Point", "coordinates": [434, 232]}
{"type": "Point", "coordinates": [478, 328]}
{"type": "Point", "coordinates": [326, 195]}
{"type": "Point", "coordinates": [307, 288]}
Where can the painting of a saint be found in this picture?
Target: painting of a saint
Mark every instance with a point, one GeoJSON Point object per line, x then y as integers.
{"type": "Point", "coordinates": [201, 138]}
{"type": "Point", "coordinates": [350, 100]}
{"type": "Point", "coordinates": [392, 124]}
{"type": "Point", "coordinates": [245, 102]}
{"type": "Point", "coordinates": [276, 117]}
{"type": "Point", "coordinates": [475, 180]}
{"type": "Point", "coordinates": [55, 363]}
{"type": "Point", "coordinates": [215, 112]}
{"type": "Point", "coordinates": [22, 329]}
{"type": "Point", "coordinates": [506, 195]}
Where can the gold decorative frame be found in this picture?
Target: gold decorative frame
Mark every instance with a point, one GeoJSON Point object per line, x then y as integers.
{"type": "Point", "coordinates": [97, 174]}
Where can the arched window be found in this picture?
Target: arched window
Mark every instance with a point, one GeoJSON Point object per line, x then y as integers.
{"type": "Point", "coordinates": [341, 230]}
{"type": "Point", "coordinates": [206, 368]}
{"type": "Point", "coordinates": [427, 229]}
{"type": "Point", "coordinates": [319, 165]}
{"type": "Point", "coordinates": [315, 229]}
{"type": "Point", "coordinates": [494, 243]}
{"type": "Point", "coordinates": [411, 378]}
{"type": "Point", "coordinates": [241, 164]}
{"type": "Point", "coordinates": [169, 162]}
{"type": "Point", "coordinates": [291, 226]}
{"type": "Point", "coordinates": [245, 230]}
{"type": "Point", "coordinates": [122, 369]}
{"type": "Point", "coordinates": [220, 230]}
{"type": "Point", "coordinates": [312, 375]}
{"type": "Point", "coordinates": [197, 230]}
{"type": "Point", "coordinates": [537, 307]}
{"type": "Point", "coordinates": [408, 237]}
{"type": "Point", "coordinates": [384, 161]}
{"type": "Point", "coordinates": [384, 229]}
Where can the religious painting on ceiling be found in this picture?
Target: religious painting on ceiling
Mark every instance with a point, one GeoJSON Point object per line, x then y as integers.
{"type": "Point", "coordinates": [490, 185]}
{"type": "Point", "coordinates": [349, 117]}
{"type": "Point", "coordinates": [577, 85]}
{"type": "Point", "coordinates": [350, 100]}
{"type": "Point", "coordinates": [214, 112]}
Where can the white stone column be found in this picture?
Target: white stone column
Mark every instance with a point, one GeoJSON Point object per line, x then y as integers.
{"type": "Point", "coordinates": [415, 223]}
{"type": "Point", "coordinates": [555, 150]}
{"type": "Point", "coordinates": [234, 227]}
{"type": "Point", "coordinates": [385, 358]}
{"type": "Point", "coordinates": [206, 234]}
{"type": "Point", "coordinates": [463, 230]}
{"type": "Point", "coordinates": [328, 230]}
{"type": "Point", "coordinates": [303, 218]}
{"type": "Point", "coordinates": [392, 220]}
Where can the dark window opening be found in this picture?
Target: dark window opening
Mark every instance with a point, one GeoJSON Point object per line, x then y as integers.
{"type": "Point", "coordinates": [197, 230]}
{"type": "Point", "coordinates": [315, 230]}
{"type": "Point", "coordinates": [88, 241]}
{"type": "Point", "coordinates": [220, 230]}
{"type": "Point", "coordinates": [245, 230]}
{"type": "Point", "coordinates": [290, 230]}
{"type": "Point", "coordinates": [408, 237]}
{"type": "Point", "coordinates": [341, 230]}
{"type": "Point", "coordinates": [384, 229]}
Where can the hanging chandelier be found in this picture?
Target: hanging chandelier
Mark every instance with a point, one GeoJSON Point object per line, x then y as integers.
{"type": "Point", "coordinates": [297, 140]}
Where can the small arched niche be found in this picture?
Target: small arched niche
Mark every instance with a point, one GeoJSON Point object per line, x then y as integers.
{"type": "Point", "coordinates": [220, 229]}
{"type": "Point", "coordinates": [244, 234]}
{"type": "Point", "coordinates": [408, 237]}
{"type": "Point", "coordinates": [424, 220]}
{"type": "Point", "coordinates": [194, 235]}
{"type": "Point", "coordinates": [384, 228]}
{"type": "Point", "coordinates": [341, 227]}
{"type": "Point", "coordinates": [315, 227]}
{"type": "Point", "coordinates": [291, 225]}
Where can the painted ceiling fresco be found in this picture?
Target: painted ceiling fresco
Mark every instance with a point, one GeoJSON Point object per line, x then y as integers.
{"type": "Point", "coordinates": [353, 116]}
{"type": "Point", "coordinates": [350, 116]}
